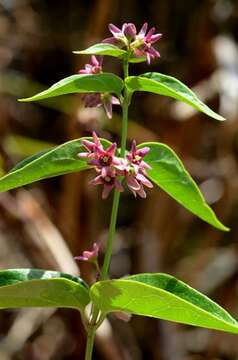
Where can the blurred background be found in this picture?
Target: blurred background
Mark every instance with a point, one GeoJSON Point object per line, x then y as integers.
{"type": "Point", "coordinates": [44, 225]}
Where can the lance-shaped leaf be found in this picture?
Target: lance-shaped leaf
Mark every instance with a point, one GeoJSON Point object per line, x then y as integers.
{"type": "Point", "coordinates": [102, 49]}
{"type": "Point", "coordinates": [41, 288]}
{"type": "Point", "coordinates": [81, 83]}
{"type": "Point", "coordinates": [60, 160]}
{"type": "Point", "coordinates": [111, 50]}
{"type": "Point", "coordinates": [168, 86]}
{"type": "Point", "coordinates": [169, 173]}
{"type": "Point", "coordinates": [161, 296]}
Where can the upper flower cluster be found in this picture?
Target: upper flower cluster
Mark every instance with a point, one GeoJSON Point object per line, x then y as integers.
{"type": "Point", "coordinates": [112, 170]}
{"type": "Point", "coordinates": [137, 44]}
{"type": "Point", "coordinates": [140, 44]}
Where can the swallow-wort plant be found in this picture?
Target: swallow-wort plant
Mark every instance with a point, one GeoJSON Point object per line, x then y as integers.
{"type": "Point", "coordinates": [116, 169]}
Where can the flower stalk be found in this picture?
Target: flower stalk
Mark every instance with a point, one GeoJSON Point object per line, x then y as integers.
{"type": "Point", "coordinates": [112, 228]}
{"type": "Point", "coordinates": [90, 341]}
{"type": "Point", "coordinates": [116, 197]}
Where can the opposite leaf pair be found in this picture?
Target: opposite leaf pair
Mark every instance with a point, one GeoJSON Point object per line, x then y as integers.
{"type": "Point", "coordinates": [155, 295]}
{"type": "Point", "coordinates": [167, 172]}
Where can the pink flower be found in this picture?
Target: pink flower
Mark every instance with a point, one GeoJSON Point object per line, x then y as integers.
{"type": "Point", "coordinates": [90, 256]}
{"type": "Point", "coordinates": [97, 100]}
{"type": "Point", "coordinates": [136, 182]}
{"type": "Point", "coordinates": [136, 176]}
{"type": "Point", "coordinates": [94, 68]}
{"type": "Point", "coordinates": [92, 147]}
{"type": "Point", "coordinates": [104, 162]}
{"type": "Point", "coordinates": [140, 44]}
{"type": "Point", "coordinates": [111, 170]}
{"type": "Point", "coordinates": [135, 156]}
{"type": "Point", "coordinates": [143, 43]}
{"type": "Point", "coordinates": [97, 156]}
{"type": "Point", "coordinates": [121, 37]}
{"type": "Point", "coordinates": [108, 178]}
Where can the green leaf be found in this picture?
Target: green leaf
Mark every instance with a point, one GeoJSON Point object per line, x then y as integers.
{"type": "Point", "coordinates": [103, 49]}
{"type": "Point", "coordinates": [169, 173]}
{"type": "Point", "coordinates": [81, 83]}
{"type": "Point", "coordinates": [168, 86]}
{"type": "Point", "coordinates": [41, 288]}
{"type": "Point", "coordinates": [60, 160]}
{"type": "Point", "coordinates": [161, 296]}
{"type": "Point", "coordinates": [135, 59]}
{"type": "Point", "coordinates": [111, 50]}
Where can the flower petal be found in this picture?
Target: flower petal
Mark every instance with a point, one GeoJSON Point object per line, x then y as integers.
{"type": "Point", "coordinates": [144, 180]}
{"type": "Point", "coordinates": [150, 33]}
{"type": "Point", "coordinates": [132, 183]}
{"type": "Point", "coordinates": [111, 149]}
{"type": "Point", "coordinates": [97, 180]}
{"type": "Point", "coordinates": [143, 30]}
{"type": "Point", "coordinates": [115, 100]}
{"type": "Point", "coordinates": [88, 144]}
{"type": "Point", "coordinates": [148, 58]}
{"type": "Point", "coordinates": [116, 32]}
{"type": "Point", "coordinates": [106, 191]}
{"type": "Point", "coordinates": [96, 140]}
{"type": "Point", "coordinates": [141, 192]}
{"type": "Point", "coordinates": [94, 60]}
{"type": "Point", "coordinates": [154, 38]}
{"type": "Point", "coordinates": [144, 151]}
{"type": "Point", "coordinates": [108, 108]}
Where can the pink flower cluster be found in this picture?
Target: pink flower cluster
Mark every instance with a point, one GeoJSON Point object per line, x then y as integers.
{"type": "Point", "coordinates": [98, 99]}
{"type": "Point", "coordinates": [112, 170]}
{"type": "Point", "coordinates": [140, 44]}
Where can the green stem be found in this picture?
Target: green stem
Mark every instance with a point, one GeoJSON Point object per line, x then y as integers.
{"type": "Point", "coordinates": [112, 229]}
{"type": "Point", "coordinates": [116, 197]}
{"type": "Point", "coordinates": [91, 332]}
{"type": "Point", "coordinates": [90, 342]}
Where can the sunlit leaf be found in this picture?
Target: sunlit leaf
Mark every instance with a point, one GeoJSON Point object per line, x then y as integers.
{"type": "Point", "coordinates": [60, 160]}
{"type": "Point", "coordinates": [170, 175]}
{"type": "Point", "coordinates": [41, 288]}
{"type": "Point", "coordinates": [135, 59]}
{"type": "Point", "coordinates": [169, 86]}
{"type": "Point", "coordinates": [81, 83]}
{"type": "Point", "coordinates": [161, 296]}
{"type": "Point", "coordinates": [111, 50]}
{"type": "Point", "coordinates": [102, 49]}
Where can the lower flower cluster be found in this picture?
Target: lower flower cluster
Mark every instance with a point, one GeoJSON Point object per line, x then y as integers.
{"type": "Point", "coordinates": [112, 170]}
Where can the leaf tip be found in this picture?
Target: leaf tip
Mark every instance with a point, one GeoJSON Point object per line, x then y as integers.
{"type": "Point", "coordinates": [222, 227]}
{"type": "Point", "coordinates": [225, 228]}
{"type": "Point", "coordinates": [29, 99]}
{"type": "Point", "coordinates": [219, 117]}
{"type": "Point", "coordinates": [22, 100]}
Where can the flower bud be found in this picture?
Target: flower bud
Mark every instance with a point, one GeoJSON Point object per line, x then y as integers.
{"type": "Point", "coordinates": [130, 31]}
